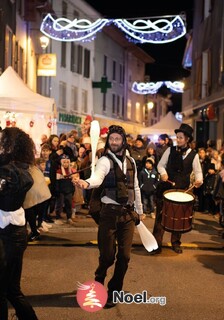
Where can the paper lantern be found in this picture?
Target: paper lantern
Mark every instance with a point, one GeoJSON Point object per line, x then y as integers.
{"type": "Point", "coordinates": [210, 112]}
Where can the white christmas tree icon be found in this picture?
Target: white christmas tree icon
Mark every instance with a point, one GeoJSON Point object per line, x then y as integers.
{"type": "Point", "coordinates": [90, 299]}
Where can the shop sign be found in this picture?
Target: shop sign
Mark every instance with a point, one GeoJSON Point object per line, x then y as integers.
{"type": "Point", "coordinates": [69, 118]}
{"type": "Point", "coordinates": [47, 64]}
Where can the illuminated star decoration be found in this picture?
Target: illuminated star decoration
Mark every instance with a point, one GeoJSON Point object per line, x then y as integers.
{"type": "Point", "coordinates": [153, 87]}
{"type": "Point", "coordinates": [141, 30]}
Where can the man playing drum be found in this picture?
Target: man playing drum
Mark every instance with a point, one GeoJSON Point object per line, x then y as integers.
{"type": "Point", "coordinates": [175, 169]}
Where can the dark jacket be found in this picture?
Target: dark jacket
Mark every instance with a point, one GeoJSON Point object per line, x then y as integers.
{"type": "Point", "coordinates": [148, 180]}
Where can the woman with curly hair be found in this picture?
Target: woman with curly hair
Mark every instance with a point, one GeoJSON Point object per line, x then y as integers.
{"type": "Point", "coordinates": [17, 152]}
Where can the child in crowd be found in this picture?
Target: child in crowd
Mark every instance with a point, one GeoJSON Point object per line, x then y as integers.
{"type": "Point", "coordinates": [148, 180]}
{"type": "Point", "coordinates": [45, 156]}
{"type": "Point", "coordinates": [65, 187]}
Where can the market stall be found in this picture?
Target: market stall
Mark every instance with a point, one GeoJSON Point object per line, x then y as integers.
{"type": "Point", "coordinates": [21, 107]}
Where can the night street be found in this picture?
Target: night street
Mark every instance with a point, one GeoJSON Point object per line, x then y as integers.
{"type": "Point", "coordinates": [192, 283]}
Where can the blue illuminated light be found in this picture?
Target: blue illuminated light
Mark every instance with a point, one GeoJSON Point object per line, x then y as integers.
{"type": "Point", "coordinates": [141, 30]}
{"type": "Point", "coordinates": [153, 87]}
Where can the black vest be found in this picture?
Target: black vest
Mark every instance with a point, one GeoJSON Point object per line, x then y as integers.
{"type": "Point", "coordinates": [118, 186]}
{"type": "Point", "coordinates": [178, 169]}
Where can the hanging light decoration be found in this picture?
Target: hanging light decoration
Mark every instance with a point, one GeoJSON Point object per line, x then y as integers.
{"type": "Point", "coordinates": [148, 31]}
{"type": "Point", "coordinates": [146, 88]}
{"type": "Point", "coordinates": [153, 87]}
{"type": "Point", "coordinates": [145, 30]}
{"type": "Point", "coordinates": [176, 86]}
{"type": "Point", "coordinates": [63, 29]}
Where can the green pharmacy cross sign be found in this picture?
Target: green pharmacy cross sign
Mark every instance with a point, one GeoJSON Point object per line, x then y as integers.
{"type": "Point", "coordinates": [103, 85]}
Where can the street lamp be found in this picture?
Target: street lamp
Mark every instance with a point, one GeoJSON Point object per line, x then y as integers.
{"type": "Point", "coordinates": [44, 41]}
{"type": "Point", "coordinates": [150, 105]}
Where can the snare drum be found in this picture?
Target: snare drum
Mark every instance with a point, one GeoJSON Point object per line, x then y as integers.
{"type": "Point", "coordinates": [177, 211]}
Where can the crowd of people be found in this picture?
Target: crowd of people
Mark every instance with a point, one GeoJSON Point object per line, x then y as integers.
{"type": "Point", "coordinates": [61, 156]}
{"type": "Point", "coordinates": [129, 182]}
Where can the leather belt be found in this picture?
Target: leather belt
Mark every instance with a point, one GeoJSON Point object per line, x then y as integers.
{"type": "Point", "coordinates": [121, 209]}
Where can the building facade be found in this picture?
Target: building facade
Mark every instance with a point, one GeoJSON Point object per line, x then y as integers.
{"type": "Point", "coordinates": [203, 99]}
{"type": "Point", "coordinates": [79, 65]}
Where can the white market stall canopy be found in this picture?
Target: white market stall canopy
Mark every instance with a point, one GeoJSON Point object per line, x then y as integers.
{"type": "Point", "coordinates": [166, 125]}
{"type": "Point", "coordinates": [21, 107]}
{"type": "Point", "coordinates": [16, 96]}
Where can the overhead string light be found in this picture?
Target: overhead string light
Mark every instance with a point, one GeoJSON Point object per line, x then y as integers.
{"type": "Point", "coordinates": [147, 31]}
{"type": "Point", "coordinates": [153, 87]}
{"type": "Point", "coordinates": [146, 88]}
{"type": "Point", "coordinates": [63, 29]}
{"type": "Point", "coordinates": [165, 29]}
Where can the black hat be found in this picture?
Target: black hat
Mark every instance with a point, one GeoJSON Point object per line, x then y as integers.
{"type": "Point", "coordinates": [186, 129]}
{"type": "Point", "coordinates": [211, 166]}
{"type": "Point", "coordinates": [140, 139]}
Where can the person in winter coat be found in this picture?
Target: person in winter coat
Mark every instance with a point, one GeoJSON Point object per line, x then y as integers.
{"type": "Point", "coordinates": [210, 181]}
{"type": "Point", "coordinates": [65, 187]}
{"type": "Point", "coordinates": [148, 180]}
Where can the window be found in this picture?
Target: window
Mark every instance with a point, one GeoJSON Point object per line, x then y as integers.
{"type": "Point", "coordinates": [198, 79]}
{"type": "Point", "coordinates": [79, 64]}
{"type": "Point", "coordinates": [73, 65]}
{"type": "Point", "coordinates": [104, 102]}
{"type": "Point", "coordinates": [118, 105]}
{"type": "Point", "coordinates": [206, 74]}
{"type": "Point", "coordinates": [121, 74]}
{"type": "Point", "coordinates": [86, 63]}
{"type": "Point", "coordinates": [137, 112]}
{"type": "Point", "coordinates": [8, 47]}
{"type": "Point", "coordinates": [122, 106]}
{"type": "Point", "coordinates": [105, 66]}
{"type": "Point", "coordinates": [74, 98]}
{"type": "Point", "coordinates": [113, 103]}
{"type": "Point", "coordinates": [207, 8]}
{"type": "Point", "coordinates": [114, 71]}
{"type": "Point", "coordinates": [84, 101]}
{"type": "Point", "coordinates": [63, 54]}
{"type": "Point", "coordinates": [62, 95]}
{"type": "Point", "coordinates": [129, 109]}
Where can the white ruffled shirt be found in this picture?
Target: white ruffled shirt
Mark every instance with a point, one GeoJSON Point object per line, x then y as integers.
{"type": "Point", "coordinates": [16, 218]}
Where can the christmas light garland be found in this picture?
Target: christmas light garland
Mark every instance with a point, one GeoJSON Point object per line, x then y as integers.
{"type": "Point", "coordinates": [153, 87]}
{"type": "Point", "coordinates": [144, 30]}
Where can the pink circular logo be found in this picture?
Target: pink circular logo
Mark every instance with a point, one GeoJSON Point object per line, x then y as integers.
{"type": "Point", "coordinates": [91, 296]}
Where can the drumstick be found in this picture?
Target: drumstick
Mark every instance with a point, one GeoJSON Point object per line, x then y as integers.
{"type": "Point", "coordinates": [172, 182]}
{"type": "Point", "coordinates": [190, 188]}
{"type": "Point", "coordinates": [94, 137]}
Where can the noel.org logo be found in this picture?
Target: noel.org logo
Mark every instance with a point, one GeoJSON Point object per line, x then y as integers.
{"type": "Point", "coordinates": [91, 296]}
